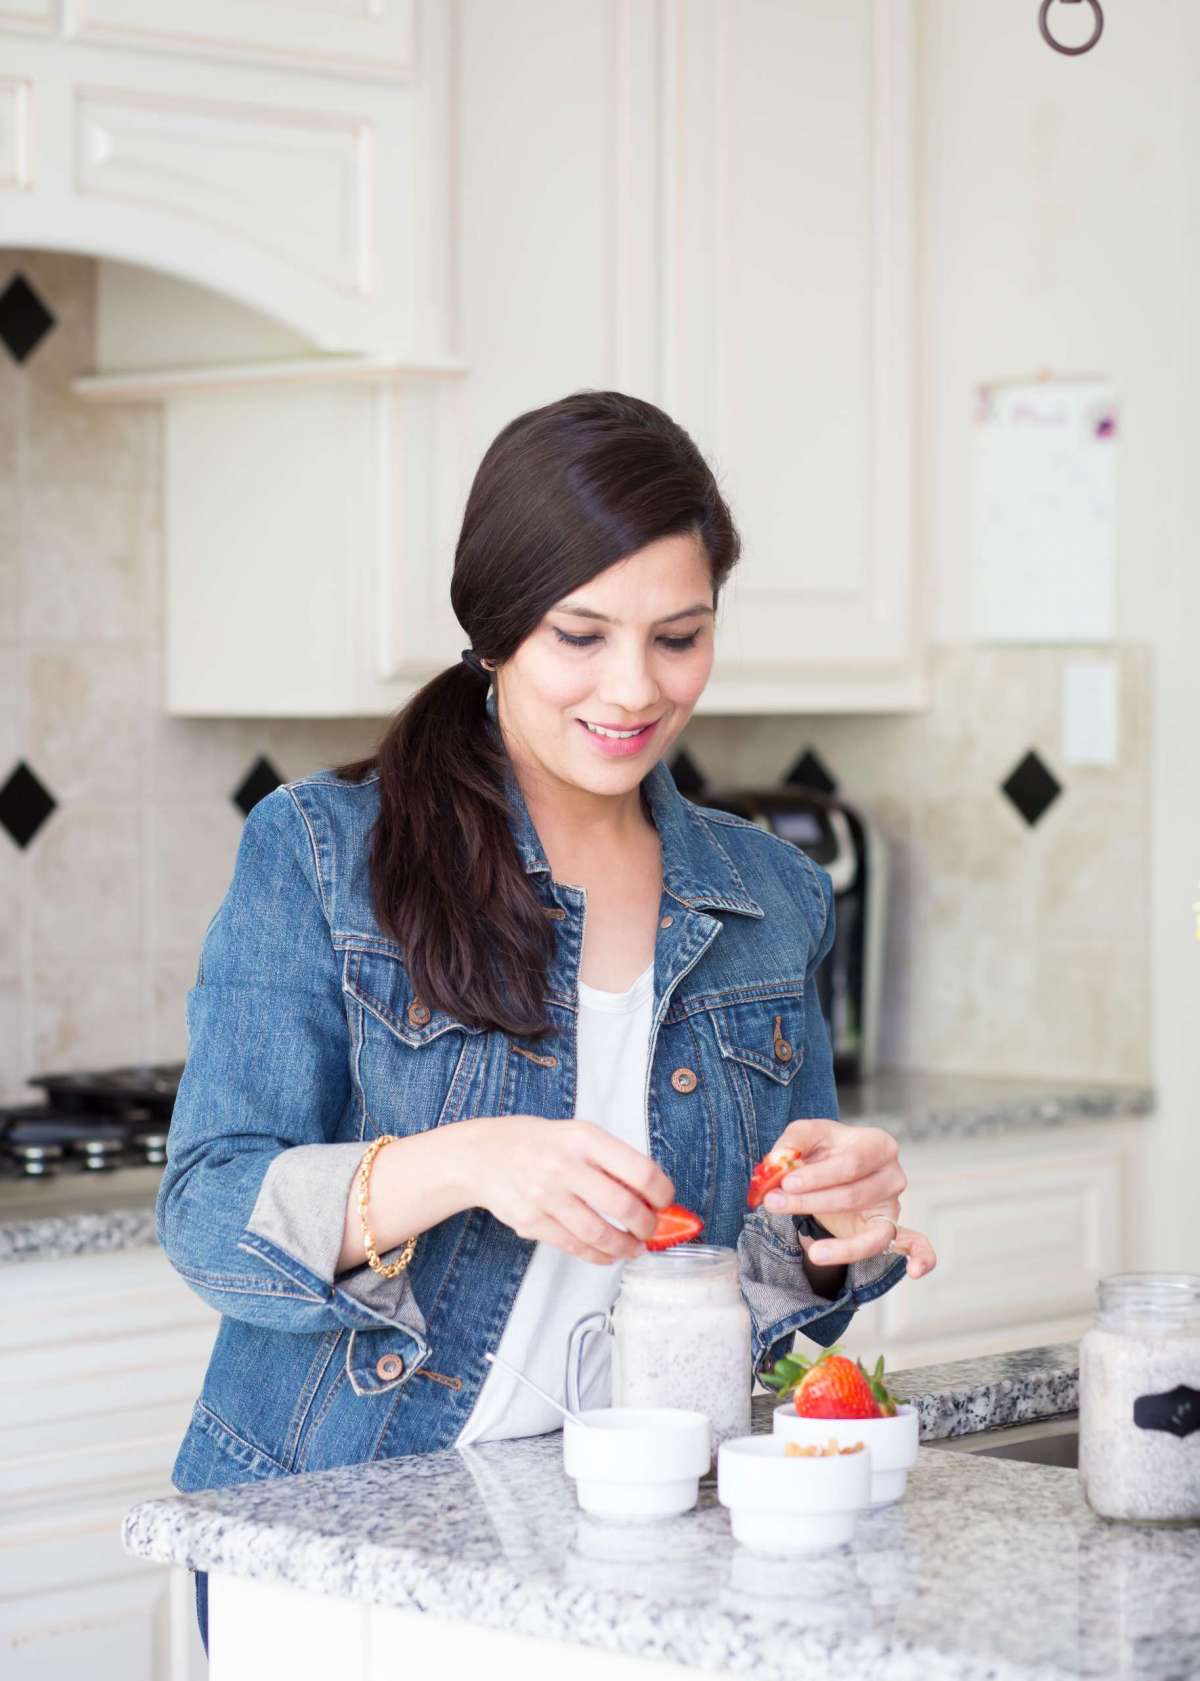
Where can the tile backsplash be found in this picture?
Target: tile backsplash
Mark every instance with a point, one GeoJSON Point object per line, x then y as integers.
{"type": "Point", "coordinates": [1012, 947]}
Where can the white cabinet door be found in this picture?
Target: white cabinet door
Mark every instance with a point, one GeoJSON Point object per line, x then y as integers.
{"type": "Point", "coordinates": [789, 263]}
{"type": "Point", "coordinates": [74, 1604]}
{"type": "Point", "coordinates": [101, 1359]}
{"type": "Point", "coordinates": [371, 38]}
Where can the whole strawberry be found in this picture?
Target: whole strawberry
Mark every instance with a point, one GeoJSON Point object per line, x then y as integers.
{"type": "Point", "coordinates": [832, 1386]}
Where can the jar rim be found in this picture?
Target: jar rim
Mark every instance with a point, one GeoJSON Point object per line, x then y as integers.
{"type": "Point", "coordinates": [1161, 1292]}
{"type": "Point", "coordinates": [681, 1257]}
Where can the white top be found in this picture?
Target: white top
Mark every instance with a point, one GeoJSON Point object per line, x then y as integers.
{"type": "Point", "coordinates": [558, 1289]}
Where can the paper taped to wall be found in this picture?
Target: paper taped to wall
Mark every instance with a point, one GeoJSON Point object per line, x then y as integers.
{"type": "Point", "coordinates": [1044, 548]}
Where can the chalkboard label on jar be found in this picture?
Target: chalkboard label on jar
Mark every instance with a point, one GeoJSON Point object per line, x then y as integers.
{"type": "Point", "coordinates": [1177, 1411]}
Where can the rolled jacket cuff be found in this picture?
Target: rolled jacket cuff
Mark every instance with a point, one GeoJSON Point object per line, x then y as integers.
{"type": "Point", "coordinates": [297, 1225]}
{"type": "Point", "coordinates": [779, 1294]}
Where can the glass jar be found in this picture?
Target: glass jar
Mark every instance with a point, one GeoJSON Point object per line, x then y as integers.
{"type": "Point", "coordinates": [1139, 1399]}
{"type": "Point", "coordinates": [681, 1335]}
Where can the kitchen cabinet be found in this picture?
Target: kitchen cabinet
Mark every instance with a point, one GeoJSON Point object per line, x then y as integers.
{"type": "Point", "coordinates": [460, 211]}
{"type": "Point", "coordinates": [1024, 1225]}
{"type": "Point", "coordinates": [101, 1359]}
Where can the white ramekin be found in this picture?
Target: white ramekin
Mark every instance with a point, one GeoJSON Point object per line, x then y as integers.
{"type": "Point", "coordinates": [779, 1504]}
{"type": "Point", "coordinates": [637, 1462]}
{"type": "Point", "coordinates": [891, 1442]}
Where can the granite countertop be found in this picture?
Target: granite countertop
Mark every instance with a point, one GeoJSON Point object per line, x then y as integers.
{"type": "Point", "coordinates": [87, 1214]}
{"type": "Point", "coordinates": [987, 1568]}
{"type": "Point", "coordinates": [914, 1105]}
{"type": "Point", "coordinates": [77, 1214]}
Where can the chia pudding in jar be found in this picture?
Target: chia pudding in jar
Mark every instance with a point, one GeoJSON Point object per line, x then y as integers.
{"type": "Point", "coordinates": [682, 1336]}
{"type": "Point", "coordinates": [1139, 1399]}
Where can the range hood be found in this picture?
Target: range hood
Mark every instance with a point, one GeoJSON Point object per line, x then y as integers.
{"type": "Point", "coordinates": [277, 258]}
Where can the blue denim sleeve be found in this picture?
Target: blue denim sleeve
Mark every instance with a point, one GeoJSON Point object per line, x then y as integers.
{"type": "Point", "coordinates": [251, 1207]}
{"type": "Point", "coordinates": [775, 1285]}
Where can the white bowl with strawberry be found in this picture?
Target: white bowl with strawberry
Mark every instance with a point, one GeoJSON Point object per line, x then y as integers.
{"type": "Point", "coordinates": [834, 1395]}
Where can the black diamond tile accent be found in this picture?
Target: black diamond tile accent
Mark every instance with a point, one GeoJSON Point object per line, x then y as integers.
{"type": "Point", "coordinates": [809, 772]}
{"type": "Point", "coordinates": [260, 780]}
{"type": "Point", "coordinates": [25, 804]}
{"type": "Point", "coordinates": [24, 318]}
{"type": "Point", "coordinates": [689, 778]}
{"type": "Point", "coordinates": [1031, 788]}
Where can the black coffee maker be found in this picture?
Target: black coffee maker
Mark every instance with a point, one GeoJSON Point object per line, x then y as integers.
{"type": "Point", "coordinates": [843, 841]}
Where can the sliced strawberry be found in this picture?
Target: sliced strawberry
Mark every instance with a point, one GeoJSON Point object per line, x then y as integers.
{"type": "Point", "coordinates": [675, 1225]}
{"type": "Point", "coordinates": [769, 1173]}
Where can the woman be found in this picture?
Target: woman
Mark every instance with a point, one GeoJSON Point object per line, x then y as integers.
{"type": "Point", "coordinates": [569, 995]}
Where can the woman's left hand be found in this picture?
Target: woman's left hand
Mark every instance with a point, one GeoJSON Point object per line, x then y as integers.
{"type": "Point", "coordinates": [846, 1174]}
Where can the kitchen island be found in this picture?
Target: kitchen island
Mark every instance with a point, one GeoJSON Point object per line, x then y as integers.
{"type": "Point", "coordinates": [987, 1568]}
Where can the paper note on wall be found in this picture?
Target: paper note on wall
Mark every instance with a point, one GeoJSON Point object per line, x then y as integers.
{"type": "Point", "coordinates": [1044, 561]}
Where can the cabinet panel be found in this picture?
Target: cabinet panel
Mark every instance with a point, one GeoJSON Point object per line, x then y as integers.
{"type": "Point", "coordinates": [16, 111]}
{"type": "Point", "coordinates": [295, 182]}
{"type": "Point", "coordinates": [101, 1360]}
{"type": "Point", "coordinates": [370, 38]}
{"type": "Point", "coordinates": [791, 352]}
{"type": "Point", "coordinates": [1015, 1242]}
{"type": "Point", "coordinates": [74, 1603]}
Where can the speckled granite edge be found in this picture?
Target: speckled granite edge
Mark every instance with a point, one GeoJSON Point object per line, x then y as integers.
{"type": "Point", "coordinates": [912, 1119]}
{"type": "Point", "coordinates": [967, 1396]}
{"type": "Point", "coordinates": [47, 1237]}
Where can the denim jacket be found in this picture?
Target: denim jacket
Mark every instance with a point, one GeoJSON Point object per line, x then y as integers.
{"type": "Point", "coordinates": [306, 1041]}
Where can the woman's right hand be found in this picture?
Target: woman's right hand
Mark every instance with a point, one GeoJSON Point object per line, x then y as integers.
{"type": "Point", "coordinates": [561, 1182]}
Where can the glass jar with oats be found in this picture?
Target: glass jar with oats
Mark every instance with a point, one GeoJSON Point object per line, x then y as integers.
{"type": "Point", "coordinates": [681, 1337]}
{"type": "Point", "coordinates": [1139, 1399]}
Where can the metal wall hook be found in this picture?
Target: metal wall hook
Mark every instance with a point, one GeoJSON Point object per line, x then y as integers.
{"type": "Point", "coordinates": [1071, 52]}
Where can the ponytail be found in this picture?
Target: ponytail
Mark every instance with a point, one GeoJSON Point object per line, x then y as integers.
{"type": "Point", "coordinates": [446, 879]}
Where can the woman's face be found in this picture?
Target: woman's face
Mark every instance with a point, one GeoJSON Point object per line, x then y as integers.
{"type": "Point", "coordinates": [629, 651]}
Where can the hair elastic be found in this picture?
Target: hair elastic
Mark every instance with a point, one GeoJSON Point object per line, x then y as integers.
{"type": "Point", "coordinates": [471, 658]}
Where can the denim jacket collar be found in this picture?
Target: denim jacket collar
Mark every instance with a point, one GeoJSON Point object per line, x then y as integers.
{"type": "Point", "coordinates": [697, 870]}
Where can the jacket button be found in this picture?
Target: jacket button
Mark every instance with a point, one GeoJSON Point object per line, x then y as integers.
{"type": "Point", "coordinates": [556, 913]}
{"type": "Point", "coordinates": [783, 1050]}
{"type": "Point", "coordinates": [418, 1013]}
{"type": "Point", "coordinates": [666, 921]}
{"type": "Point", "coordinates": [684, 1079]}
{"type": "Point", "coordinates": [389, 1366]}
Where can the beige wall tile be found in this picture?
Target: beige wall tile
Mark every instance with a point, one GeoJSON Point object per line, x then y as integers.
{"type": "Point", "coordinates": [13, 386]}
{"type": "Point", "coordinates": [10, 556]}
{"type": "Point", "coordinates": [13, 1070]}
{"type": "Point", "coordinates": [172, 975]}
{"type": "Point", "coordinates": [191, 851]}
{"type": "Point", "coordinates": [98, 1020]}
{"type": "Point", "coordinates": [86, 873]}
{"type": "Point", "coordinates": [1093, 1008]}
{"type": "Point", "coordinates": [83, 562]}
{"type": "Point", "coordinates": [87, 721]}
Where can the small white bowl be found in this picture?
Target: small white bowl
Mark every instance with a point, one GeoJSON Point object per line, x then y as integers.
{"type": "Point", "coordinates": [779, 1504]}
{"type": "Point", "coordinates": [892, 1443]}
{"type": "Point", "coordinates": [641, 1462]}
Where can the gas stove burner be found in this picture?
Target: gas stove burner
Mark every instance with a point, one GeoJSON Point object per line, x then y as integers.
{"type": "Point", "coordinates": [38, 1141]}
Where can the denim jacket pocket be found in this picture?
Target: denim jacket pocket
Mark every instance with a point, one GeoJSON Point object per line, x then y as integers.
{"type": "Point", "coordinates": [766, 1034]}
{"type": "Point", "coordinates": [414, 1067]}
{"type": "Point", "coordinates": [380, 982]}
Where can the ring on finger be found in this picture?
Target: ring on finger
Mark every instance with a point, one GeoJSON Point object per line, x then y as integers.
{"type": "Point", "coordinates": [891, 1248]}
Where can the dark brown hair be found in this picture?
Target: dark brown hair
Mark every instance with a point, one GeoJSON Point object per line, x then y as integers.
{"type": "Point", "coordinates": [562, 493]}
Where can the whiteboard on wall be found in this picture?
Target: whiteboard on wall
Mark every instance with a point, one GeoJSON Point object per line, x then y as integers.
{"type": "Point", "coordinates": [1044, 541]}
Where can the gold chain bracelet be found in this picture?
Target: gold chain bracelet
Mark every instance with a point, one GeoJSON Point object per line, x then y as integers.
{"type": "Point", "coordinates": [364, 1180]}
